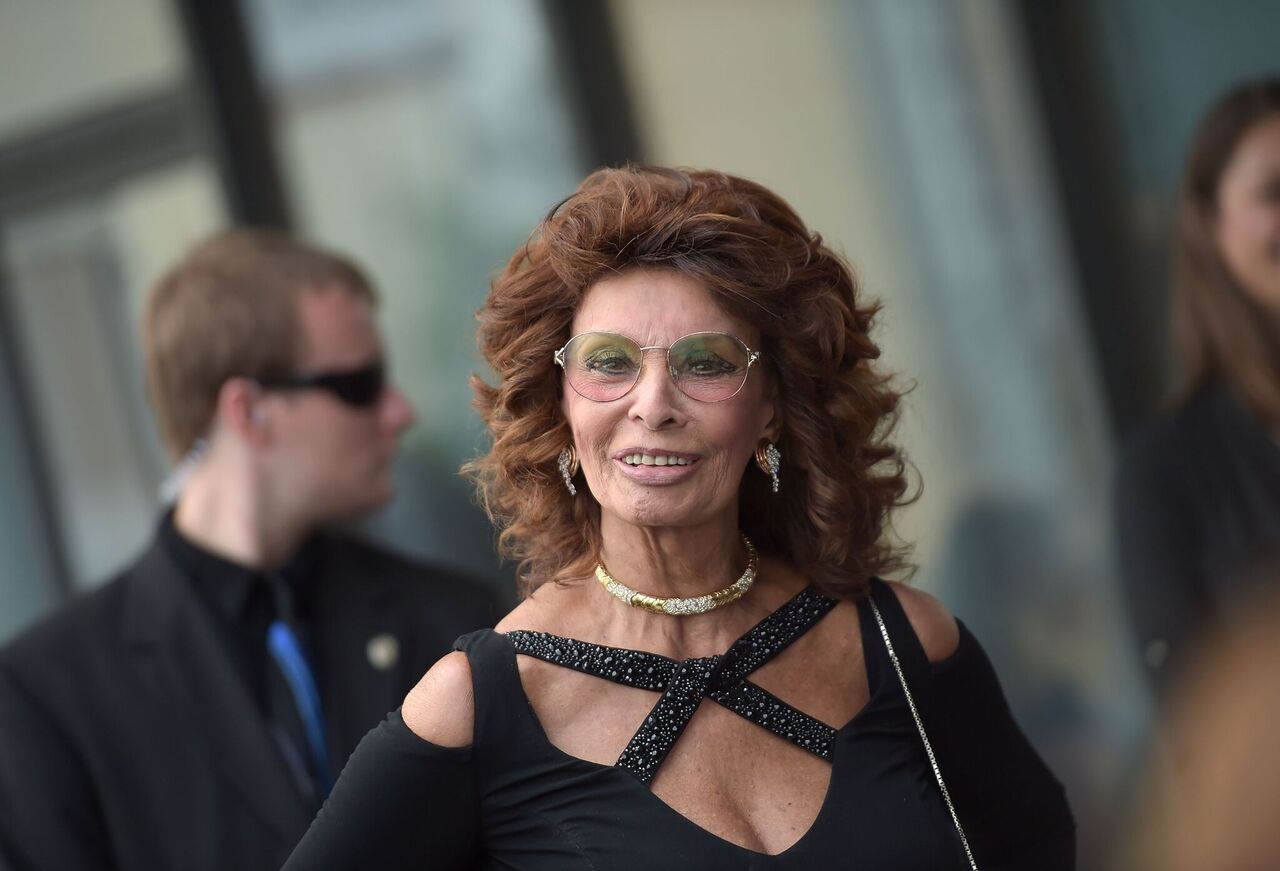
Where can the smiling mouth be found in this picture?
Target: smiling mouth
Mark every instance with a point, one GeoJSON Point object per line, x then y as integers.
{"type": "Point", "coordinates": [656, 460]}
{"type": "Point", "coordinates": [652, 457]}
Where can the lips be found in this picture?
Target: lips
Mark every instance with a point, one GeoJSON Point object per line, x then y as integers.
{"type": "Point", "coordinates": [649, 465]}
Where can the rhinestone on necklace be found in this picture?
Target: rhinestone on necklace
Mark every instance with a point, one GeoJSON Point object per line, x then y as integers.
{"type": "Point", "coordinates": [691, 605]}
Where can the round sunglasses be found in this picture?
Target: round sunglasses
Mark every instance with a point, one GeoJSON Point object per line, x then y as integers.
{"type": "Point", "coordinates": [705, 366]}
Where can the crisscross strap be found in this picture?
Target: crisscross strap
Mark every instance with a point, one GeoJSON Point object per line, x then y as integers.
{"type": "Point", "coordinates": [684, 684]}
{"type": "Point", "coordinates": [772, 635]}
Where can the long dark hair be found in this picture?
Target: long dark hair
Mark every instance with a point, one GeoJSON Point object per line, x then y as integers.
{"type": "Point", "coordinates": [1219, 333]}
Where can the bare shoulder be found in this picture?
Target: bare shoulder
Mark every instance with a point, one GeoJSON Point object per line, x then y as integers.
{"type": "Point", "coordinates": [934, 626]}
{"type": "Point", "coordinates": [441, 708]}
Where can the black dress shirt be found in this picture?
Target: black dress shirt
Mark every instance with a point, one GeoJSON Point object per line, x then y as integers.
{"type": "Point", "coordinates": [244, 603]}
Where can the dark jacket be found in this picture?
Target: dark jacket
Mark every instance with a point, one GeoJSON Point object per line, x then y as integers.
{"type": "Point", "coordinates": [1198, 525]}
{"type": "Point", "coordinates": [129, 741]}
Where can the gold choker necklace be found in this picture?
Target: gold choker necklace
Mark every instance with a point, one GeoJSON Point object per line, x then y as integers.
{"type": "Point", "coordinates": [692, 605]}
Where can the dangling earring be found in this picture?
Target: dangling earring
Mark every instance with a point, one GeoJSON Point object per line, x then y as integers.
{"type": "Point", "coordinates": [769, 459]}
{"type": "Point", "coordinates": [568, 468]}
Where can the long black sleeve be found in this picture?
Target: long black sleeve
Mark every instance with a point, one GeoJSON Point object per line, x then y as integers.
{"type": "Point", "coordinates": [401, 803]}
{"type": "Point", "coordinates": [1013, 810]}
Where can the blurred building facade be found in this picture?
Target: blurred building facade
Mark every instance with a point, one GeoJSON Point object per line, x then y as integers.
{"type": "Point", "coordinates": [999, 173]}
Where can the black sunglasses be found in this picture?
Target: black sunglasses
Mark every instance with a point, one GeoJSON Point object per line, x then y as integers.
{"type": "Point", "coordinates": [359, 388]}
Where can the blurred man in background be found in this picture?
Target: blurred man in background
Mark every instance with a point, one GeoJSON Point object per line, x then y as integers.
{"type": "Point", "coordinates": [193, 712]}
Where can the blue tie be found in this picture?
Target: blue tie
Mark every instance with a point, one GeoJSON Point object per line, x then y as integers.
{"type": "Point", "coordinates": [287, 652]}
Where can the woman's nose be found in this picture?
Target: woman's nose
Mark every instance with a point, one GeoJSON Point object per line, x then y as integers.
{"type": "Point", "coordinates": [655, 398]}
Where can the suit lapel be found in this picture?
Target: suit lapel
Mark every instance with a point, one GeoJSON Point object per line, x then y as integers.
{"type": "Point", "coordinates": [175, 644]}
{"type": "Point", "coordinates": [354, 609]}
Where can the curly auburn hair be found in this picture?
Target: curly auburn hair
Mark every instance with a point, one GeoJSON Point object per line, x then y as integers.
{"type": "Point", "coordinates": [841, 476]}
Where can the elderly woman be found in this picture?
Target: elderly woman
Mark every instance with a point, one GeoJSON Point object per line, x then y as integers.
{"type": "Point", "coordinates": [1198, 489]}
{"type": "Point", "coordinates": [690, 461]}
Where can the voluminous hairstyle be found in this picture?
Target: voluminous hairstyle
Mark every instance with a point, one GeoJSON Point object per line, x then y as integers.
{"type": "Point", "coordinates": [229, 309]}
{"type": "Point", "coordinates": [1219, 332]}
{"type": "Point", "coordinates": [841, 477]}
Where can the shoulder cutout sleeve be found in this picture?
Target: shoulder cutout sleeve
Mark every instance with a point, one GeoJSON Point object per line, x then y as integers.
{"type": "Point", "coordinates": [400, 803]}
{"type": "Point", "coordinates": [1014, 811]}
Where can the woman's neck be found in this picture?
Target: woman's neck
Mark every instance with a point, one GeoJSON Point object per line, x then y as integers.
{"type": "Point", "coordinates": [673, 562]}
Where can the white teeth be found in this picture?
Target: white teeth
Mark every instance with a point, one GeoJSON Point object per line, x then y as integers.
{"type": "Point", "coordinates": [654, 460]}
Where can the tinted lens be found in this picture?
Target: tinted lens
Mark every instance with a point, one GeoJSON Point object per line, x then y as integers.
{"type": "Point", "coordinates": [709, 367]}
{"type": "Point", "coordinates": [360, 387]}
{"type": "Point", "coordinates": [601, 366]}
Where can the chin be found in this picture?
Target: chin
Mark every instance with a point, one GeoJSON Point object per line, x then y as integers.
{"type": "Point", "coordinates": [659, 515]}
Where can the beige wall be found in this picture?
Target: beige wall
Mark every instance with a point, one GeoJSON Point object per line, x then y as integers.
{"type": "Point", "coordinates": [62, 57]}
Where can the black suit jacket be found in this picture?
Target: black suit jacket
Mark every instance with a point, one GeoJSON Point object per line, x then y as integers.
{"type": "Point", "coordinates": [129, 741]}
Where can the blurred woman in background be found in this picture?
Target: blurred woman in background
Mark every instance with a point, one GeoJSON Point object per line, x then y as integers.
{"type": "Point", "coordinates": [1198, 491]}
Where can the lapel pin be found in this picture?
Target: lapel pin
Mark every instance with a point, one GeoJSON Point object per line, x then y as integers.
{"type": "Point", "coordinates": [383, 651]}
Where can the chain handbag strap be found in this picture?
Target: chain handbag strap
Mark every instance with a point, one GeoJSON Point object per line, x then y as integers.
{"type": "Point", "coordinates": [928, 748]}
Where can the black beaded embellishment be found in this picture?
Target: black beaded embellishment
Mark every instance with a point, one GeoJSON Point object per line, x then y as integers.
{"type": "Point", "coordinates": [684, 684]}
{"type": "Point", "coordinates": [633, 668]}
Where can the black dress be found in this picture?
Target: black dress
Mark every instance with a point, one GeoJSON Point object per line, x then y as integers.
{"type": "Point", "coordinates": [1198, 522]}
{"type": "Point", "coordinates": [512, 800]}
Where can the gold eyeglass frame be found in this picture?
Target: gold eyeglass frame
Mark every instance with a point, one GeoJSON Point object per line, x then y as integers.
{"type": "Point", "coordinates": [752, 357]}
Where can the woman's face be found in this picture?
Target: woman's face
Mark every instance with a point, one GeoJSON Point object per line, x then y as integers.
{"type": "Point", "coordinates": [1247, 227]}
{"type": "Point", "coordinates": [712, 441]}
